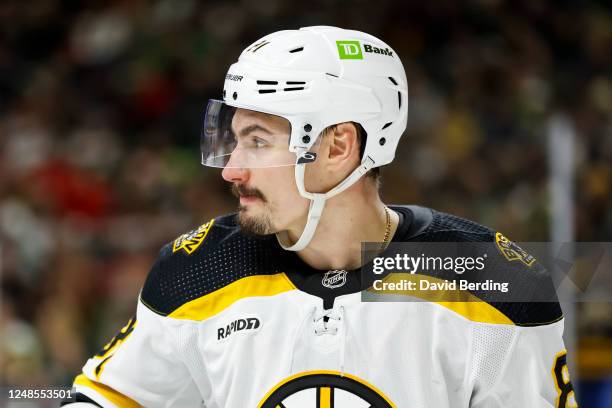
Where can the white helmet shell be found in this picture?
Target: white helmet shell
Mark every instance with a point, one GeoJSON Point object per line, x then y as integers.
{"type": "Point", "coordinates": [320, 76]}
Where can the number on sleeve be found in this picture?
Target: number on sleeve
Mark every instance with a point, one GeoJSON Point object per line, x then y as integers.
{"type": "Point", "coordinates": [109, 349]}
{"type": "Point", "coordinates": [565, 390]}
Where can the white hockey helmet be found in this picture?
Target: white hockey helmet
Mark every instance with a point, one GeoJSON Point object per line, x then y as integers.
{"type": "Point", "coordinates": [312, 78]}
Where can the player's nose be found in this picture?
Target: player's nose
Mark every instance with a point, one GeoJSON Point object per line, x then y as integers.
{"type": "Point", "coordinates": [235, 174]}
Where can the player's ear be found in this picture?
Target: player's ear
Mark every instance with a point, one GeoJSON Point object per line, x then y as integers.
{"type": "Point", "coordinates": [343, 142]}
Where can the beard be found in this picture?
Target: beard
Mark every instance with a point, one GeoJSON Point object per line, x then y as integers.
{"type": "Point", "coordinates": [255, 225]}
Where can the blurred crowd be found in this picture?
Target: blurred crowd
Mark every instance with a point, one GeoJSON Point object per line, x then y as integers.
{"type": "Point", "coordinates": [101, 105]}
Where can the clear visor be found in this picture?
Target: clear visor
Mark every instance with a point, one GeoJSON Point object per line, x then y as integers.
{"type": "Point", "coordinates": [243, 138]}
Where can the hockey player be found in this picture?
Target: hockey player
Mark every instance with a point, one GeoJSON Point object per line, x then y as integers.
{"type": "Point", "coordinates": [263, 308]}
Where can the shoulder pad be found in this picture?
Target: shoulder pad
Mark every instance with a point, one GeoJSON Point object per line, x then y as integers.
{"type": "Point", "coordinates": [451, 228]}
{"type": "Point", "coordinates": [416, 220]}
{"type": "Point", "coordinates": [531, 299]}
{"type": "Point", "coordinates": [203, 261]}
{"type": "Point", "coordinates": [532, 286]}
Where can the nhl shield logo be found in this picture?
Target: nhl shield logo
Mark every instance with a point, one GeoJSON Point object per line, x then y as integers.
{"type": "Point", "coordinates": [334, 279]}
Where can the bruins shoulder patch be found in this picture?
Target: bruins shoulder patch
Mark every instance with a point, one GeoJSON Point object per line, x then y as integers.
{"type": "Point", "coordinates": [192, 240]}
{"type": "Point", "coordinates": [511, 251]}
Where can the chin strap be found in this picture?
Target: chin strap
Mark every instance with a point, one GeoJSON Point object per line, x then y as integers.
{"type": "Point", "coordinates": [317, 201]}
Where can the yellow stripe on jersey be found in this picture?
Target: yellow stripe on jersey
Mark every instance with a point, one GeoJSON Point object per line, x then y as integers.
{"type": "Point", "coordinates": [461, 302]}
{"type": "Point", "coordinates": [215, 302]}
{"type": "Point", "coordinates": [110, 394]}
{"type": "Point", "coordinates": [478, 311]}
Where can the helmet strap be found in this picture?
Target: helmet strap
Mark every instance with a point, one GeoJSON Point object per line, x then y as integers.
{"type": "Point", "coordinates": [317, 201]}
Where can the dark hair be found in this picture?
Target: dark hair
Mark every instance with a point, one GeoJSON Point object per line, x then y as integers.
{"type": "Point", "coordinates": [362, 137]}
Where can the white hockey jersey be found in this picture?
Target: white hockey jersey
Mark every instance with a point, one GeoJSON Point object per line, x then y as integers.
{"type": "Point", "coordinates": [226, 320]}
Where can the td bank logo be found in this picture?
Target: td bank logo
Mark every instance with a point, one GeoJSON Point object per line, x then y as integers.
{"type": "Point", "coordinates": [349, 49]}
{"type": "Point", "coordinates": [352, 50]}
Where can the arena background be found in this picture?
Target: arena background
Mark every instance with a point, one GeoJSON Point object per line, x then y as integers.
{"type": "Point", "coordinates": [100, 111]}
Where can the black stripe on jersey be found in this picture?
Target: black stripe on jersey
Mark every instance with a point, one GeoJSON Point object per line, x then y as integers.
{"type": "Point", "coordinates": [225, 256]}
{"type": "Point", "coordinates": [228, 255]}
{"type": "Point", "coordinates": [528, 280]}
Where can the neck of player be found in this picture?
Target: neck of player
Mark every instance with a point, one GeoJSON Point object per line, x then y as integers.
{"type": "Point", "coordinates": [356, 215]}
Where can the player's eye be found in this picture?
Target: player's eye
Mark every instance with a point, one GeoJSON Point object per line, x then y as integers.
{"type": "Point", "coordinates": [258, 142]}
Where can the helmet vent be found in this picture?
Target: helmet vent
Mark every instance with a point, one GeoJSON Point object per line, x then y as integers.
{"type": "Point", "coordinates": [335, 76]}
{"type": "Point", "coordinates": [289, 86]}
{"type": "Point", "coordinates": [393, 80]}
{"type": "Point", "coordinates": [253, 48]}
{"type": "Point", "coordinates": [299, 49]}
{"type": "Point", "coordinates": [399, 99]}
{"type": "Point", "coordinates": [386, 125]}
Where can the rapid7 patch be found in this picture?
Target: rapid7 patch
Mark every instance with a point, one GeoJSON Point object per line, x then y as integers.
{"type": "Point", "coordinates": [245, 324]}
{"type": "Point", "coordinates": [192, 240]}
{"type": "Point", "coordinates": [511, 251]}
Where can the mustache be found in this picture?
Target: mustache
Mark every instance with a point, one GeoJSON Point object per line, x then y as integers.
{"type": "Point", "coordinates": [240, 190]}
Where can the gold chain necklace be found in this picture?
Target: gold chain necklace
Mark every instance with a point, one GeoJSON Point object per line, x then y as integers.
{"type": "Point", "coordinates": [388, 227]}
